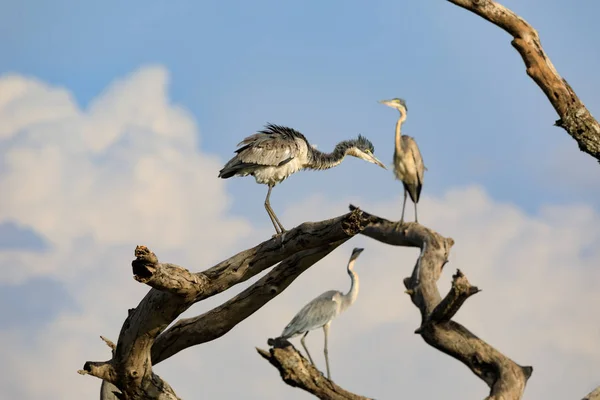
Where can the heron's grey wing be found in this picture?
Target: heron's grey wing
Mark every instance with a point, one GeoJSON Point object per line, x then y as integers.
{"type": "Point", "coordinates": [272, 149]}
{"type": "Point", "coordinates": [411, 145]}
{"type": "Point", "coordinates": [313, 315]}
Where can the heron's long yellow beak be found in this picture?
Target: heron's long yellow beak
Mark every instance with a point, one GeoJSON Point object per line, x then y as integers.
{"type": "Point", "coordinates": [374, 160]}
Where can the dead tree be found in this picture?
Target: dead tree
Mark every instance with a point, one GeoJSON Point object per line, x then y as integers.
{"type": "Point", "coordinates": [144, 340]}
{"type": "Point", "coordinates": [505, 378]}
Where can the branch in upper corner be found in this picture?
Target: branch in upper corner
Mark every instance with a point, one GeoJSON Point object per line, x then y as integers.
{"type": "Point", "coordinates": [298, 372]}
{"type": "Point", "coordinates": [574, 116]}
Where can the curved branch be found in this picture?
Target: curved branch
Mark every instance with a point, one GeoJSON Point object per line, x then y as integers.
{"type": "Point", "coordinates": [505, 378]}
{"type": "Point", "coordinates": [298, 372]}
{"type": "Point", "coordinates": [220, 320]}
{"type": "Point", "coordinates": [175, 289]}
{"type": "Point", "coordinates": [574, 116]}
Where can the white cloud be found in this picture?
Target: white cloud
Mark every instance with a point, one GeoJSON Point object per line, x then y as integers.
{"type": "Point", "coordinates": [128, 171]}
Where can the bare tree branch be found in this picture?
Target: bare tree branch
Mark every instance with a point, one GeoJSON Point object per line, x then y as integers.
{"type": "Point", "coordinates": [220, 320]}
{"type": "Point", "coordinates": [574, 116]}
{"type": "Point", "coordinates": [298, 372]}
{"type": "Point", "coordinates": [505, 378]}
{"type": "Point", "coordinates": [176, 289]}
{"type": "Point", "coordinates": [593, 395]}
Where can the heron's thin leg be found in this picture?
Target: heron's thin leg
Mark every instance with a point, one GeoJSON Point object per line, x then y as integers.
{"type": "Point", "coordinates": [403, 206]}
{"type": "Point", "coordinates": [270, 211]}
{"type": "Point", "coordinates": [326, 331]}
{"type": "Point", "coordinates": [306, 348]}
{"type": "Point", "coordinates": [277, 220]}
{"type": "Point", "coordinates": [416, 218]}
{"type": "Point", "coordinates": [272, 215]}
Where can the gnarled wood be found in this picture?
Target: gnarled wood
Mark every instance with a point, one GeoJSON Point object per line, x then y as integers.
{"type": "Point", "coordinates": [220, 320]}
{"type": "Point", "coordinates": [176, 289]}
{"type": "Point", "coordinates": [505, 378]}
{"type": "Point", "coordinates": [574, 116]}
{"type": "Point", "coordinates": [298, 372]}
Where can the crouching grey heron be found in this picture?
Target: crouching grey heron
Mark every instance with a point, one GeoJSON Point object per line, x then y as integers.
{"type": "Point", "coordinates": [408, 163]}
{"type": "Point", "coordinates": [322, 310]}
{"type": "Point", "coordinates": [273, 154]}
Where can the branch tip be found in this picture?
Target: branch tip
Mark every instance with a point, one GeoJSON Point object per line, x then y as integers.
{"type": "Point", "coordinates": [108, 342]}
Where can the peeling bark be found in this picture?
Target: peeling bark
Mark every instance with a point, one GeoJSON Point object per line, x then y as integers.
{"type": "Point", "coordinates": [574, 116]}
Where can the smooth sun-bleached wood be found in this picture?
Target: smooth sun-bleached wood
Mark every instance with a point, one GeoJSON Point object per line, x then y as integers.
{"type": "Point", "coordinates": [574, 116]}
{"type": "Point", "coordinates": [505, 378]}
{"type": "Point", "coordinates": [176, 289]}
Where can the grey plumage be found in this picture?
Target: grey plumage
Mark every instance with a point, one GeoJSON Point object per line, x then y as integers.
{"type": "Point", "coordinates": [408, 162]}
{"type": "Point", "coordinates": [276, 152]}
{"type": "Point", "coordinates": [319, 312]}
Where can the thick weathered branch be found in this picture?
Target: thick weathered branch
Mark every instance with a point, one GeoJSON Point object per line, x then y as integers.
{"type": "Point", "coordinates": [220, 320]}
{"type": "Point", "coordinates": [574, 116]}
{"type": "Point", "coordinates": [177, 289]}
{"type": "Point", "coordinates": [505, 378]}
{"type": "Point", "coordinates": [298, 372]}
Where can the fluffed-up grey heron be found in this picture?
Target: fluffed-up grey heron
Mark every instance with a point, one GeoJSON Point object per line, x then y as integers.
{"type": "Point", "coordinates": [273, 154]}
{"type": "Point", "coordinates": [408, 163]}
{"type": "Point", "coordinates": [322, 310]}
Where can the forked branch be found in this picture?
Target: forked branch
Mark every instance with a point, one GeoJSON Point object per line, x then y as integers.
{"type": "Point", "coordinates": [175, 289]}
{"type": "Point", "coordinates": [505, 378]}
{"type": "Point", "coordinates": [574, 116]}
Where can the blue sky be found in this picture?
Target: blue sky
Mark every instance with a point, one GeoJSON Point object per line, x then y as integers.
{"type": "Point", "coordinates": [319, 67]}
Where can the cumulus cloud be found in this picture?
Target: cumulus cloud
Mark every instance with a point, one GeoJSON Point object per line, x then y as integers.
{"type": "Point", "coordinates": [128, 170]}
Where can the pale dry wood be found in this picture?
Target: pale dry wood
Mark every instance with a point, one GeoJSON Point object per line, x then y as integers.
{"type": "Point", "coordinates": [593, 395]}
{"type": "Point", "coordinates": [176, 289]}
{"type": "Point", "coordinates": [505, 378]}
{"type": "Point", "coordinates": [574, 116]}
{"type": "Point", "coordinates": [298, 372]}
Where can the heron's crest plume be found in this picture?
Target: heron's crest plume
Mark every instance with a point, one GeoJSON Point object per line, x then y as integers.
{"type": "Point", "coordinates": [364, 144]}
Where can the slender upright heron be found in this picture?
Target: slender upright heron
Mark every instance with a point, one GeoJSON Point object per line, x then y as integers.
{"type": "Point", "coordinates": [273, 154]}
{"type": "Point", "coordinates": [322, 310]}
{"type": "Point", "coordinates": [408, 163]}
